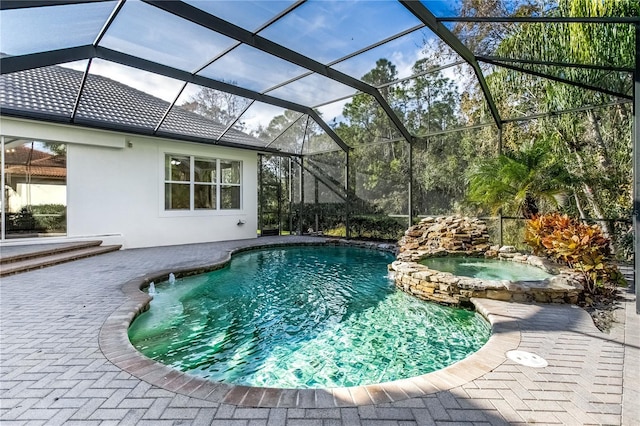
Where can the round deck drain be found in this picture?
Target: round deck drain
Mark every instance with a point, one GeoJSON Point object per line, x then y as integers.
{"type": "Point", "coordinates": [527, 358]}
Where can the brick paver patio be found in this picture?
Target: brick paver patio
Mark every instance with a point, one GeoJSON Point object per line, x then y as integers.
{"type": "Point", "coordinates": [56, 362]}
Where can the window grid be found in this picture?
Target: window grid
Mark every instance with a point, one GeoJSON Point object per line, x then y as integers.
{"type": "Point", "coordinates": [213, 184]}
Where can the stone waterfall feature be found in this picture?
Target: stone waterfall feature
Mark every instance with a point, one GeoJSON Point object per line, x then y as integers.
{"type": "Point", "coordinates": [464, 236]}
{"type": "Point", "coordinates": [444, 235]}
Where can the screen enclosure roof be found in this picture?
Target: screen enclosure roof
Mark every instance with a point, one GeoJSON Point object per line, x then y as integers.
{"type": "Point", "coordinates": [270, 75]}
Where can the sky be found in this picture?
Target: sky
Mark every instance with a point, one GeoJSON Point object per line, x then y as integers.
{"type": "Point", "coordinates": [323, 30]}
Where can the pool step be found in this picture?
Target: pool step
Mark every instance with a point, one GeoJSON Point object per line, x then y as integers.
{"type": "Point", "coordinates": [35, 258]}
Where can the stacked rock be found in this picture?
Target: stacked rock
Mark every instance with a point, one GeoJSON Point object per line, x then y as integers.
{"type": "Point", "coordinates": [434, 235]}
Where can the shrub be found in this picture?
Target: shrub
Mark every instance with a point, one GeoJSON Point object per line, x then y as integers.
{"type": "Point", "coordinates": [580, 246]}
{"type": "Point", "coordinates": [50, 217]}
{"type": "Point", "coordinates": [22, 221]}
{"type": "Point", "coordinates": [329, 215]}
{"type": "Point", "coordinates": [377, 227]}
{"type": "Point", "coordinates": [38, 218]}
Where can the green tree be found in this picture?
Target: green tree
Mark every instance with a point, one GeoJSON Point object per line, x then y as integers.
{"type": "Point", "coordinates": [429, 101]}
{"type": "Point", "coordinates": [380, 155]}
{"type": "Point", "coordinates": [431, 106]}
{"type": "Point", "coordinates": [521, 182]}
{"type": "Point", "coordinates": [593, 144]}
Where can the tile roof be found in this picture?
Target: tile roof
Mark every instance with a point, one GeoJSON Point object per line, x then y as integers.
{"type": "Point", "coordinates": [23, 160]}
{"type": "Point", "coordinates": [37, 171]}
{"type": "Point", "coordinates": [23, 154]}
{"type": "Point", "coordinates": [53, 91]}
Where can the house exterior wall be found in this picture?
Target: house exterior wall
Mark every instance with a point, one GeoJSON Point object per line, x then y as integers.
{"type": "Point", "coordinates": [115, 188]}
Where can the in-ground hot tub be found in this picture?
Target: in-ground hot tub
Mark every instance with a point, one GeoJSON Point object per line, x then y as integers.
{"type": "Point", "coordinates": [457, 278]}
{"type": "Point", "coordinates": [445, 278]}
{"type": "Point", "coordinates": [486, 269]}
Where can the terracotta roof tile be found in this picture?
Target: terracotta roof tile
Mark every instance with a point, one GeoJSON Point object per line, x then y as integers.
{"type": "Point", "coordinates": [38, 171]}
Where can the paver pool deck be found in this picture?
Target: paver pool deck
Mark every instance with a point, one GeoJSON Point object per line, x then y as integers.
{"type": "Point", "coordinates": [64, 360]}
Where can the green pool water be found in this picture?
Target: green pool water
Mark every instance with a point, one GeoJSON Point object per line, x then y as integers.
{"type": "Point", "coordinates": [488, 269]}
{"type": "Point", "coordinates": [303, 317]}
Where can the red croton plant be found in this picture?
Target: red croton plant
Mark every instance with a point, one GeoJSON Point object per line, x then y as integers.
{"type": "Point", "coordinates": [581, 246]}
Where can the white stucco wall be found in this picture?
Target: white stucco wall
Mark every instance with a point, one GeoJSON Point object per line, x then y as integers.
{"type": "Point", "coordinates": [37, 193]}
{"type": "Point", "coordinates": [115, 189]}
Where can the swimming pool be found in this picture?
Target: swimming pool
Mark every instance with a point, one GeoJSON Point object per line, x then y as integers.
{"type": "Point", "coordinates": [302, 317]}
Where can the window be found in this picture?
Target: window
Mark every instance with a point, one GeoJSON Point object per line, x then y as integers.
{"type": "Point", "coordinates": [34, 199]}
{"type": "Point", "coordinates": [230, 188]}
{"type": "Point", "coordinates": [204, 185]}
{"type": "Point", "coordinates": [198, 183]}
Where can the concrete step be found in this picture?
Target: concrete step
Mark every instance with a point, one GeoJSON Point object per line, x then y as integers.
{"type": "Point", "coordinates": [21, 253]}
{"type": "Point", "coordinates": [51, 259]}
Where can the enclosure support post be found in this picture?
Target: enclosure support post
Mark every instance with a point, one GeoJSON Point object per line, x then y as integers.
{"type": "Point", "coordinates": [279, 192]}
{"type": "Point", "coordinates": [290, 191]}
{"type": "Point", "coordinates": [260, 200]}
{"type": "Point", "coordinates": [500, 237]}
{"type": "Point", "coordinates": [410, 186]}
{"type": "Point", "coordinates": [316, 200]}
{"type": "Point", "coordinates": [636, 170]}
{"type": "Point", "coordinates": [301, 211]}
{"type": "Point", "coordinates": [347, 185]}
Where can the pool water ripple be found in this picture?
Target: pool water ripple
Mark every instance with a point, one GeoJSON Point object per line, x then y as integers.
{"type": "Point", "coordinates": [303, 317]}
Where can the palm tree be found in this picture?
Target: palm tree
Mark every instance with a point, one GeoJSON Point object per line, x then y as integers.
{"type": "Point", "coordinates": [521, 182]}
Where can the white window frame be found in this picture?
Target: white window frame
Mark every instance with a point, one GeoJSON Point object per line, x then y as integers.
{"type": "Point", "coordinates": [192, 211]}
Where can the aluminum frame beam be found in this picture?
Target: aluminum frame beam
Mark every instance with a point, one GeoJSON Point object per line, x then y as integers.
{"type": "Point", "coordinates": [44, 59]}
{"type": "Point", "coordinates": [422, 137]}
{"type": "Point", "coordinates": [202, 18]}
{"type": "Point", "coordinates": [103, 125]}
{"type": "Point", "coordinates": [554, 64]}
{"type": "Point", "coordinates": [24, 4]}
{"type": "Point", "coordinates": [558, 79]}
{"type": "Point", "coordinates": [429, 19]}
{"type": "Point", "coordinates": [544, 19]}
{"type": "Point", "coordinates": [36, 60]}
{"type": "Point", "coordinates": [563, 111]}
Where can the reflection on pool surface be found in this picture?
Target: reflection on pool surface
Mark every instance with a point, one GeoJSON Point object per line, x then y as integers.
{"type": "Point", "coordinates": [303, 317]}
{"type": "Point", "coordinates": [488, 269]}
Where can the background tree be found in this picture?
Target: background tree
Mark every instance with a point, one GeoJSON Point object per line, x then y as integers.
{"type": "Point", "coordinates": [218, 106]}
{"type": "Point", "coordinates": [380, 155]}
{"type": "Point", "coordinates": [594, 144]}
{"type": "Point", "coordinates": [430, 107]}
